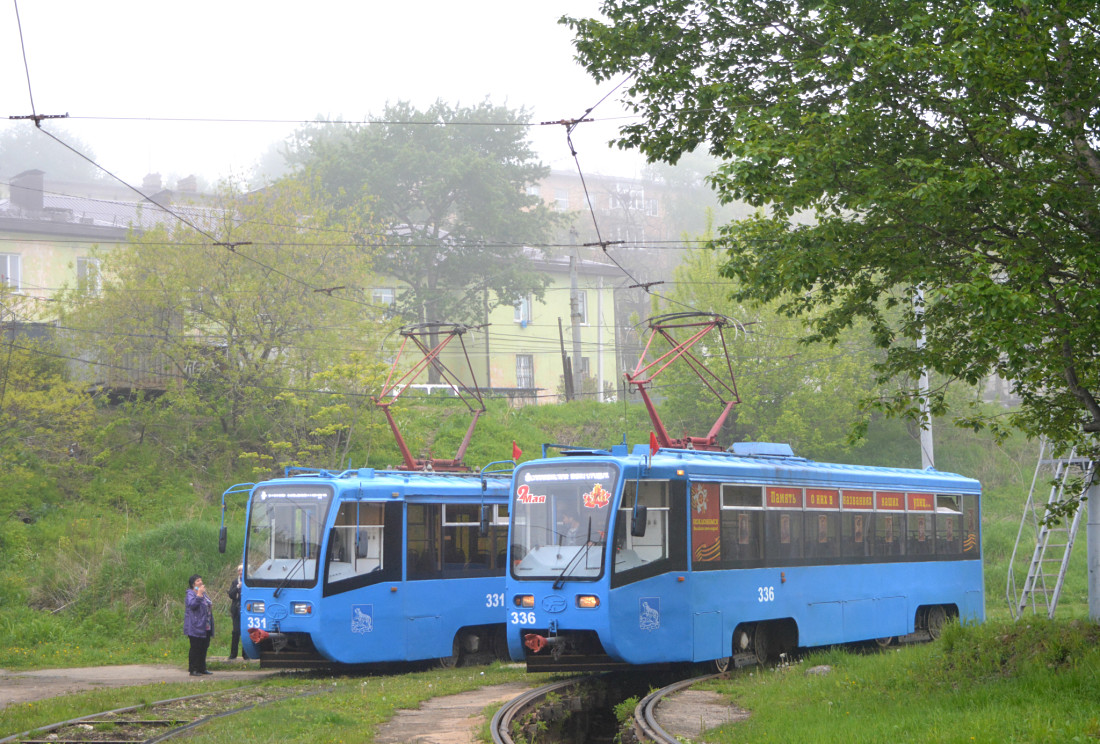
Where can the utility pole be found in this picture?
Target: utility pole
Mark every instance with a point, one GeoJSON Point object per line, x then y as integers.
{"type": "Point", "coordinates": [575, 318]}
{"type": "Point", "coordinates": [1092, 539]}
{"type": "Point", "coordinates": [566, 369]}
{"type": "Point", "coordinates": [927, 459]}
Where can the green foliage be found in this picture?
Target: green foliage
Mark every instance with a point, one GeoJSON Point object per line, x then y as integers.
{"type": "Point", "coordinates": [452, 199]}
{"type": "Point", "coordinates": [997, 682]}
{"type": "Point", "coordinates": [895, 145]}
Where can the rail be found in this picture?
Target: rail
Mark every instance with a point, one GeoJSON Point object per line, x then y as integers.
{"type": "Point", "coordinates": [158, 721]}
{"type": "Point", "coordinates": [646, 727]}
{"type": "Point", "coordinates": [501, 725]}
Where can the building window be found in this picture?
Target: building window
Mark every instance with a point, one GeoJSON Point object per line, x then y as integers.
{"type": "Point", "coordinates": [534, 190]}
{"type": "Point", "coordinates": [522, 311]}
{"type": "Point", "coordinates": [525, 371]}
{"type": "Point", "coordinates": [561, 200]}
{"type": "Point", "coordinates": [11, 271]}
{"type": "Point", "coordinates": [87, 275]}
{"type": "Point", "coordinates": [382, 296]}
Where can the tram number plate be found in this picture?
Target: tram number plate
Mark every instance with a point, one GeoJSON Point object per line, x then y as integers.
{"type": "Point", "coordinates": [765, 594]}
{"type": "Point", "coordinates": [522, 618]}
{"type": "Point", "coordinates": [257, 622]}
{"type": "Point", "coordinates": [494, 600]}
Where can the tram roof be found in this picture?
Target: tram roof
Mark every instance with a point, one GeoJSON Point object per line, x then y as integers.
{"type": "Point", "coordinates": [769, 463]}
{"type": "Point", "coordinates": [401, 482]}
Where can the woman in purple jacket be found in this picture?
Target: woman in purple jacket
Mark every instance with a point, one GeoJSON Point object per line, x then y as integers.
{"type": "Point", "coordinates": [198, 625]}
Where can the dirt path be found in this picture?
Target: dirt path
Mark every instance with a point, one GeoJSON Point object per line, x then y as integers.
{"type": "Point", "coordinates": [455, 719]}
{"type": "Point", "coordinates": [24, 687]}
{"type": "Point", "coordinates": [688, 714]}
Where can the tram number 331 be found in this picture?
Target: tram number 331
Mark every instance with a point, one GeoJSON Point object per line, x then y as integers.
{"type": "Point", "coordinates": [765, 594]}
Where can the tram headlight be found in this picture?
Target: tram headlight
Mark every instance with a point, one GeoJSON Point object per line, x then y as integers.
{"type": "Point", "coordinates": [301, 608]}
{"type": "Point", "coordinates": [524, 600]}
{"type": "Point", "coordinates": [255, 606]}
{"type": "Point", "coordinates": [588, 601]}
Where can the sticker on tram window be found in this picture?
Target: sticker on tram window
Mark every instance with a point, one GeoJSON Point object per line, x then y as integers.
{"type": "Point", "coordinates": [362, 618]}
{"type": "Point", "coordinates": [524, 496]}
{"type": "Point", "coordinates": [649, 613]}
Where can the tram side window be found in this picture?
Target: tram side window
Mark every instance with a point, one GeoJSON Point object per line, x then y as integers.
{"type": "Point", "coordinates": [465, 551]}
{"type": "Point", "coordinates": [971, 539]}
{"type": "Point", "coordinates": [742, 523]}
{"type": "Point", "coordinates": [784, 531]}
{"type": "Point", "coordinates": [357, 540]}
{"type": "Point", "coordinates": [822, 538]}
{"type": "Point", "coordinates": [889, 531]}
{"type": "Point", "coordinates": [949, 523]}
{"type": "Point", "coordinates": [921, 534]}
{"type": "Point", "coordinates": [653, 546]}
{"type": "Point", "coordinates": [423, 542]}
{"type": "Point", "coordinates": [664, 545]}
{"type": "Point", "coordinates": [857, 532]}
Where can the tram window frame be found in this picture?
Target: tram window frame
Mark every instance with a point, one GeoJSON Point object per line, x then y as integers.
{"type": "Point", "coordinates": [892, 522]}
{"type": "Point", "coordinates": [741, 522]}
{"type": "Point", "coordinates": [666, 513]}
{"type": "Point", "coordinates": [776, 550]}
{"type": "Point", "coordinates": [972, 526]}
{"type": "Point", "coordinates": [479, 553]}
{"type": "Point", "coordinates": [816, 549]}
{"type": "Point", "coordinates": [423, 542]}
{"type": "Point", "coordinates": [391, 545]}
{"type": "Point", "coordinates": [949, 525]}
{"type": "Point", "coordinates": [916, 524]}
{"type": "Point", "coordinates": [850, 547]}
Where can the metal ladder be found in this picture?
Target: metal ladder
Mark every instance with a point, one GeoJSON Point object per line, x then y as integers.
{"type": "Point", "coordinates": [1053, 544]}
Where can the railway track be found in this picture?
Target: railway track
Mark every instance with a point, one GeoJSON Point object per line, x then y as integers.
{"type": "Point", "coordinates": [155, 722]}
{"type": "Point", "coordinates": [513, 715]}
{"type": "Point", "coordinates": [646, 727]}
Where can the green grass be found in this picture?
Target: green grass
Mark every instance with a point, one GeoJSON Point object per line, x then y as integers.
{"type": "Point", "coordinates": [346, 709]}
{"type": "Point", "coordinates": [1035, 681]}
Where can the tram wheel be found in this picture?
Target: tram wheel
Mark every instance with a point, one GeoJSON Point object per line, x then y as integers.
{"type": "Point", "coordinates": [935, 618]}
{"type": "Point", "coordinates": [760, 643]}
{"type": "Point", "coordinates": [450, 662]}
{"type": "Point", "coordinates": [886, 641]}
{"type": "Point", "coordinates": [720, 666]}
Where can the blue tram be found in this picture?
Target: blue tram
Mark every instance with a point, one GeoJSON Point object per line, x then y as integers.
{"type": "Point", "coordinates": [665, 555]}
{"type": "Point", "coordinates": [368, 566]}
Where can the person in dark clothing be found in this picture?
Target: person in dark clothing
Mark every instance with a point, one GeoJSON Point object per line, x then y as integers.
{"type": "Point", "coordinates": [198, 625]}
{"type": "Point", "coordinates": [235, 613]}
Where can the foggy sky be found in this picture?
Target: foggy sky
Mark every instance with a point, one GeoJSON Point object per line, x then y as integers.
{"type": "Point", "coordinates": [116, 64]}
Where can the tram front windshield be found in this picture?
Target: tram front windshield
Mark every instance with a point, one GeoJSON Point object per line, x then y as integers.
{"type": "Point", "coordinates": [560, 516]}
{"type": "Point", "coordinates": [285, 524]}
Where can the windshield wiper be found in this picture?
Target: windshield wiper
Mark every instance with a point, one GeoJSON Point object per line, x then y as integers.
{"type": "Point", "coordinates": [286, 579]}
{"type": "Point", "coordinates": [560, 581]}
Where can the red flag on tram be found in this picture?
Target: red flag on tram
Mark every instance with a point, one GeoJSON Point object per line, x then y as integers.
{"type": "Point", "coordinates": [516, 451]}
{"type": "Point", "coordinates": [653, 446]}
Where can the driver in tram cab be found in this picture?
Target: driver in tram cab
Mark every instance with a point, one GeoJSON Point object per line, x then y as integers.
{"type": "Point", "coordinates": [570, 530]}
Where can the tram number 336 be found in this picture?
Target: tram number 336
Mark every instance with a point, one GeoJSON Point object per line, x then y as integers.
{"type": "Point", "coordinates": [522, 618]}
{"type": "Point", "coordinates": [765, 594]}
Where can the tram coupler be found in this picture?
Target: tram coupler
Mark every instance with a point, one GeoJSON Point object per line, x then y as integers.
{"type": "Point", "coordinates": [537, 643]}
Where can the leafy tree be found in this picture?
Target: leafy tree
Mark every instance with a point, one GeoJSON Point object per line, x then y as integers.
{"type": "Point", "coordinates": [23, 148]}
{"type": "Point", "coordinates": [448, 186]}
{"type": "Point", "coordinates": [807, 394]}
{"type": "Point", "coordinates": [244, 304]}
{"type": "Point", "coordinates": [46, 419]}
{"type": "Point", "coordinates": [950, 146]}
